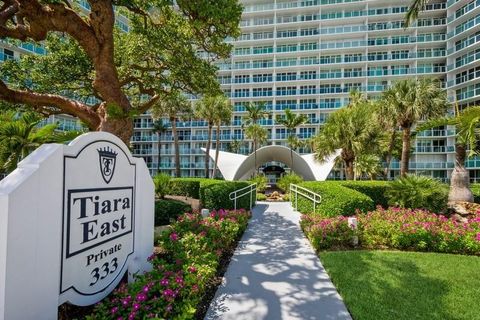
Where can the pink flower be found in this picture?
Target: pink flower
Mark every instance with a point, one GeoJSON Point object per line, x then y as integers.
{"type": "Point", "coordinates": [114, 310]}
{"type": "Point", "coordinates": [478, 237]}
{"type": "Point", "coordinates": [173, 236]}
{"type": "Point", "coordinates": [192, 269]}
{"type": "Point", "coordinates": [164, 282]}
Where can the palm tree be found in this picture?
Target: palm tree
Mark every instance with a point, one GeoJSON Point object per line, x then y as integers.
{"type": "Point", "coordinates": [255, 112]}
{"type": "Point", "coordinates": [206, 109]}
{"type": "Point", "coordinates": [173, 106]}
{"type": "Point", "coordinates": [467, 124]}
{"type": "Point", "coordinates": [159, 128]}
{"type": "Point", "coordinates": [356, 97]}
{"type": "Point", "coordinates": [235, 146]}
{"type": "Point", "coordinates": [21, 134]}
{"type": "Point", "coordinates": [413, 10]}
{"type": "Point", "coordinates": [409, 101]}
{"type": "Point", "coordinates": [259, 135]}
{"type": "Point", "coordinates": [223, 114]}
{"type": "Point", "coordinates": [352, 129]}
{"type": "Point", "coordinates": [368, 164]}
{"type": "Point", "coordinates": [291, 121]}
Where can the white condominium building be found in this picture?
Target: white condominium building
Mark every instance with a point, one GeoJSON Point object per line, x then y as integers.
{"type": "Point", "coordinates": [308, 55]}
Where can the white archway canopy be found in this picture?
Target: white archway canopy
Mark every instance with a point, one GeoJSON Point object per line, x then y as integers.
{"type": "Point", "coordinates": [235, 166]}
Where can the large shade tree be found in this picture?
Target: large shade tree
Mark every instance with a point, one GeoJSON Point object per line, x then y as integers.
{"type": "Point", "coordinates": [409, 101]}
{"type": "Point", "coordinates": [121, 74]}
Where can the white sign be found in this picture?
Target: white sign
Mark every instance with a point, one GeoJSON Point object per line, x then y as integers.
{"type": "Point", "coordinates": [73, 220]}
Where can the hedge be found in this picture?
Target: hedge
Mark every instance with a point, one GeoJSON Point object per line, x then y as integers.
{"type": "Point", "coordinates": [188, 187]}
{"type": "Point", "coordinates": [336, 199]}
{"type": "Point", "coordinates": [216, 195]}
{"type": "Point", "coordinates": [374, 189]}
{"type": "Point", "coordinates": [167, 209]}
{"type": "Point", "coordinates": [475, 187]}
{"type": "Point", "coordinates": [191, 187]}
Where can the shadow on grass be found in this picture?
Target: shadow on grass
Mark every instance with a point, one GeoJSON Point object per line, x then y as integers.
{"type": "Point", "coordinates": [275, 274]}
{"type": "Point", "coordinates": [389, 285]}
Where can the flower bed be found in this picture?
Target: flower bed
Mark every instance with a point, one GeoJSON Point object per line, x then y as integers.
{"type": "Point", "coordinates": [190, 253]}
{"type": "Point", "coordinates": [396, 228]}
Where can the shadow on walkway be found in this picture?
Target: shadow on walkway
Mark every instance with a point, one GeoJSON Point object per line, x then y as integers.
{"type": "Point", "coordinates": [275, 274]}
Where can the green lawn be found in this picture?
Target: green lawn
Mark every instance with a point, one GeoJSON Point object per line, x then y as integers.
{"type": "Point", "coordinates": [381, 285]}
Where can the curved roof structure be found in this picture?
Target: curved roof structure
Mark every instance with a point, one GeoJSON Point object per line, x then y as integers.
{"type": "Point", "coordinates": [235, 166]}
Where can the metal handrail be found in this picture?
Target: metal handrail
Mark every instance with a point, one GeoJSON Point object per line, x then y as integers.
{"type": "Point", "coordinates": [309, 194]}
{"type": "Point", "coordinates": [251, 189]}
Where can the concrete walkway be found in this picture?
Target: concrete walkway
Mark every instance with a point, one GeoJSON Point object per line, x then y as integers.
{"type": "Point", "coordinates": [275, 274]}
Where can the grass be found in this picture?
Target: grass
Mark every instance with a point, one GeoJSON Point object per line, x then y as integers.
{"type": "Point", "coordinates": [381, 285]}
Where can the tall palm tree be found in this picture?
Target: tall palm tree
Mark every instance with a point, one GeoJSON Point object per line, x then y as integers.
{"type": "Point", "coordinates": [206, 109]}
{"type": "Point", "coordinates": [21, 134]}
{"type": "Point", "coordinates": [413, 10]}
{"type": "Point", "coordinates": [235, 146]}
{"type": "Point", "coordinates": [291, 121]}
{"type": "Point", "coordinates": [223, 114]}
{"type": "Point", "coordinates": [409, 101]}
{"type": "Point", "coordinates": [352, 129]}
{"type": "Point", "coordinates": [390, 140]}
{"type": "Point", "coordinates": [368, 164]}
{"type": "Point", "coordinates": [255, 112]}
{"type": "Point", "coordinates": [174, 107]}
{"type": "Point", "coordinates": [467, 124]}
{"type": "Point", "coordinates": [159, 128]}
{"type": "Point", "coordinates": [259, 136]}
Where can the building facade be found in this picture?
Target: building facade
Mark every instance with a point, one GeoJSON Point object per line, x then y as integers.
{"type": "Point", "coordinates": [307, 55]}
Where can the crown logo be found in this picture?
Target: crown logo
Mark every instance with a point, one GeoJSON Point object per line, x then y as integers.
{"type": "Point", "coordinates": [108, 159]}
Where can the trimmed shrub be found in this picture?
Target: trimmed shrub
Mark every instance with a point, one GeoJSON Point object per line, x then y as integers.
{"type": "Point", "coordinates": [261, 182]}
{"type": "Point", "coordinates": [187, 187]}
{"type": "Point", "coordinates": [261, 197]}
{"type": "Point", "coordinates": [166, 210]}
{"type": "Point", "coordinates": [336, 200]}
{"type": "Point", "coordinates": [475, 187]}
{"type": "Point", "coordinates": [161, 182]}
{"type": "Point", "coordinates": [285, 181]}
{"type": "Point", "coordinates": [216, 195]}
{"type": "Point", "coordinates": [418, 192]}
{"type": "Point", "coordinates": [376, 190]}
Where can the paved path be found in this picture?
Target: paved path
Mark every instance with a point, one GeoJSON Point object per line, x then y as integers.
{"type": "Point", "coordinates": [275, 274]}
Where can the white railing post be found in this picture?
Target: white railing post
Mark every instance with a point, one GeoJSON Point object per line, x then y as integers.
{"type": "Point", "coordinates": [297, 190]}
{"type": "Point", "coordinates": [249, 190]}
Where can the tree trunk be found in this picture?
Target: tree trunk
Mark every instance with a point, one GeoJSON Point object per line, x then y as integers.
{"type": "Point", "coordinates": [207, 156]}
{"type": "Point", "coordinates": [255, 151]}
{"type": "Point", "coordinates": [176, 145]}
{"type": "Point", "coordinates": [405, 151]}
{"type": "Point", "coordinates": [291, 157]}
{"type": "Point", "coordinates": [217, 151]}
{"type": "Point", "coordinates": [460, 180]}
{"type": "Point", "coordinates": [349, 172]}
{"type": "Point", "coordinates": [388, 157]}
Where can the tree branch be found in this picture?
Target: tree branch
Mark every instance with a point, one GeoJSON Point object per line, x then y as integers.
{"type": "Point", "coordinates": [44, 101]}
{"type": "Point", "coordinates": [147, 105]}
